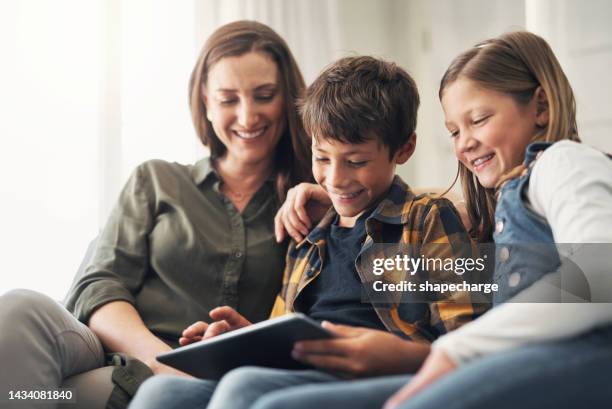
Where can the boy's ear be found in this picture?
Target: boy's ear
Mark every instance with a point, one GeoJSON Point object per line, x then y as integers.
{"type": "Point", "coordinates": [405, 152]}
{"type": "Point", "coordinates": [542, 111]}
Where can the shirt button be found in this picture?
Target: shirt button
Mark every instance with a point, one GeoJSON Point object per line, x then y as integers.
{"type": "Point", "coordinates": [514, 279]}
{"type": "Point", "coordinates": [238, 254]}
{"type": "Point", "coordinates": [504, 254]}
{"type": "Point", "coordinates": [499, 226]}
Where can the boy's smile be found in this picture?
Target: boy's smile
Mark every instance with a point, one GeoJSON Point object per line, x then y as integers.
{"type": "Point", "coordinates": [356, 176]}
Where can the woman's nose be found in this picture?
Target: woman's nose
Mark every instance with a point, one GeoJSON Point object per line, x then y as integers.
{"type": "Point", "coordinates": [247, 115]}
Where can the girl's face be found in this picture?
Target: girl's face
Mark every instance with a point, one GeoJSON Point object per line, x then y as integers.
{"type": "Point", "coordinates": [244, 102]}
{"type": "Point", "coordinates": [490, 130]}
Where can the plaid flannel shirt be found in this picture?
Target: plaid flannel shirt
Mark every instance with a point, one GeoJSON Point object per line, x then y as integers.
{"type": "Point", "coordinates": [401, 218]}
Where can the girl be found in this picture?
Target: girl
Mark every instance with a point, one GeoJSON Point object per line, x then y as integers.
{"type": "Point", "coordinates": [181, 239]}
{"type": "Point", "coordinates": [511, 113]}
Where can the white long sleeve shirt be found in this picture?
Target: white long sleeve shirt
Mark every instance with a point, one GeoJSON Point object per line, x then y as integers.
{"type": "Point", "coordinates": [571, 187]}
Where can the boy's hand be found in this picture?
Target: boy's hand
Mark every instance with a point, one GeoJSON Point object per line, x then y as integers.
{"type": "Point", "coordinates": [304, 202]}
{"type": "Point", "coordinates": [437, 365]}
{"type": "Point", "coordinates": [361, 352]}
{"type": "Point", "coordinates": [225, 319]}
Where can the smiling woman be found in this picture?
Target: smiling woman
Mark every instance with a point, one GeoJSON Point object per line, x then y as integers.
{"type": "Point", "coordinates": [181, 240]}
{"type": "Point", "coordinates": [245, 107]}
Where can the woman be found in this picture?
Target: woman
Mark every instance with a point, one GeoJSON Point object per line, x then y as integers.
{"type": "Point", "coordinates": [181, 239]}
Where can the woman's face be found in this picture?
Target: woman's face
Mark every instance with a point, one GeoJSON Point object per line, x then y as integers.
{"type": "Point", "coordinates": [490, 130]}
{"type": "Point", "coordinates": [244, 102]}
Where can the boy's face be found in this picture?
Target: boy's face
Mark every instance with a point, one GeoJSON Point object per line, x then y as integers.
{"type": "Point", "coordinates": [355, 175]}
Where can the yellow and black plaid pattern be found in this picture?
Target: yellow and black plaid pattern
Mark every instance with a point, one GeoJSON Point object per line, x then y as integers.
{"type": "Point", "coordinates": [402, 218]}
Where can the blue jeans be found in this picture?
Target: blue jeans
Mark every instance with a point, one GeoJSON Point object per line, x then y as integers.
{"type": "Point", "coordinates": [574, 373]}
{"type": "Point", "coordinates": [349, 394]}
{"type": "Point", "coordinates": [167, 391]}
{"type": "Point", "coordinates": [254, 387]}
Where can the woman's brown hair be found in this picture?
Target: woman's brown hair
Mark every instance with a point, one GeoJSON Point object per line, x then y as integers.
{"type": "Point", "coordinates": [516, 64]}
{"type": "Point", "coordinates": [292, 158]}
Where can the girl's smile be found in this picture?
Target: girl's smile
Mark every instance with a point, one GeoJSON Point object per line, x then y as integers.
{"type": "Point", "coordinates": [490, 130]}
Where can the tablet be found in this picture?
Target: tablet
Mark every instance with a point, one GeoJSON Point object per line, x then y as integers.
{"type": "Point", "coordinates": [267, 343]}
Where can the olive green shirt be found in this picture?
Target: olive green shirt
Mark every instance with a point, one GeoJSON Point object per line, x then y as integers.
{"type": "Point", "coordinates": [175, 247]}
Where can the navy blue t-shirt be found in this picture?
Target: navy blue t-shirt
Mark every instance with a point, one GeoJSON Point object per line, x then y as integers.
{"type": "Point", "coordinates": [335, 295]}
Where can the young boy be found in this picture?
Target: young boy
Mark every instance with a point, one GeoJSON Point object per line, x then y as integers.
{"type": "Point", "coordinates": [361, 113]}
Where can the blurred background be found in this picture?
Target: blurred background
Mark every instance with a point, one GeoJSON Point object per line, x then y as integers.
{"type": "Point", "coordinates": [91, 88]}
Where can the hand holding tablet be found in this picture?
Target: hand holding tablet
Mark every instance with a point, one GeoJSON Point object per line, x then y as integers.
{"type": "Point", "coordinates": [267, 343]}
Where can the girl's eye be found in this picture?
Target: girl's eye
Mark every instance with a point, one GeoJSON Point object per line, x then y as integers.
{"type": "Point", "coordinates": [480, 120]}
{"type": "Point", "coordinates": [454, 134]}
{"type": "Point", "coordinates": [320, 159]}
{"type": "Point", "coordinates": [227, 101]}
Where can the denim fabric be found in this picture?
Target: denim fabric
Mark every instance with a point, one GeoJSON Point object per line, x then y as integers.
{"type": "Point", "coordinates": [355, 394]}
{"type": "Point", "coordinates": [242, 387]}
{"type": "Point", "coordinates": [525, 248]}
{"type": "Point", "coordinates": [167, 392]}
{"type": "Point", "coordinates": [573, 373]}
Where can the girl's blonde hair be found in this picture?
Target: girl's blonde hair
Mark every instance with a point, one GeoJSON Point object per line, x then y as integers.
{"type": "Point", "coordinates": [515, 64]}
{"type": "Point", "coordinates": [292, 162]}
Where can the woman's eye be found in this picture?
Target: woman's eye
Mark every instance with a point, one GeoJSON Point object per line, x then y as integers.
{"type": "Point", "coordinates": [267, 97]}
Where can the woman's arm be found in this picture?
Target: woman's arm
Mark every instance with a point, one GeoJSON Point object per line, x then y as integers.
{"type": "Point", "coordinates": [120, 328]}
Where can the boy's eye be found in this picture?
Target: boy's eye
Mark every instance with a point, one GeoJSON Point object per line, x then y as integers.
{"type": "Point", "coordinates": [357, 163]}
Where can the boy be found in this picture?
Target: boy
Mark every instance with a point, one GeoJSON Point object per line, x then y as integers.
{"type": "Point", "coordinates": [361, 113]}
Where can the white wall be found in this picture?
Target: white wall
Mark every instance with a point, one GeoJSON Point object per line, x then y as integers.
{"type": "Point", "coordinates": [581, 35]}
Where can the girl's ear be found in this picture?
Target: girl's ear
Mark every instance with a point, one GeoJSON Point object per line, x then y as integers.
{"type": "Point", "coordinates": [405, 152]}
{"type": "Point", "coordinates": [542, 113]}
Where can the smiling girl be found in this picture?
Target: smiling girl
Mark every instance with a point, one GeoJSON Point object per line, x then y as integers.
{"type": "Point", "coordinates": [511, 114]}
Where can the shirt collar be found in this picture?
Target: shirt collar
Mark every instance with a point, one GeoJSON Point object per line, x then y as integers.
{"type": "Point", "coordinates": [202, 169]}
{"type": "Point", "coordinates": [394, 208]}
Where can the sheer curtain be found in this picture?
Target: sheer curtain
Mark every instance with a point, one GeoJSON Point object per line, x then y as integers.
{"type": "Point", "coordinates": [49, 123]}
{"type": "Point", "coordinates": [92, 89]}
{"type": "Point", "coordinates": [89, 90]}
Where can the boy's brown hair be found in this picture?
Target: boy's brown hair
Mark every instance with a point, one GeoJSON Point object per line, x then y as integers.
{"type": "Point", "coordinates": [357, 99]}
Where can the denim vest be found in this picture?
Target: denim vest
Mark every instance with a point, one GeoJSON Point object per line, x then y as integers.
{"type": "Point", "coordinates": [524, 245]}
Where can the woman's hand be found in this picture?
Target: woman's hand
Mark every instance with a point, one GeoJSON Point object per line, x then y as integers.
{"type": "Point", "coordinates": [158, 369]}
{"type": "Point", "coordinates": [225, 319]}
{"type": "Point", "coordinates": [437, 365]}
{"type": "Point", "coordinates": [358, 352]}
{"type": "Point", "coordinates": [305, 203]}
